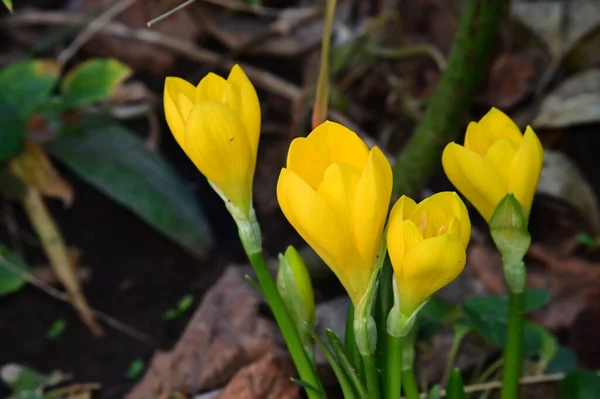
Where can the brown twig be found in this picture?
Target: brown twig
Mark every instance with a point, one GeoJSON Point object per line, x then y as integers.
{"type": "Point", "coordinates": [93, 28]}
{"type": "Point", "coordinates": [65, 297]}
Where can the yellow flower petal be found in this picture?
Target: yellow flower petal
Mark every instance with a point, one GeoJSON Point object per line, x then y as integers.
{"type": "Point", "coordinates": [401, 236]}
{"type": "Point", "coordinates": [434, 214]}
{"type": "Point", "coordinates": [475, 178]}
{"type": "Point", "coordinates": [374, 191]}
{"type": "Point", "coordinates": [428, 266]}
{"type": "Point", "coordinates": [338, 189]}
{"type": "Point", "coordinates": [178, 102]}
{"type": "Point", "coordinates": [249, 105]}
{"type": "Point", "coordinates": [500, 155]}
{"type": "Point", "coordinates": [216, 141]}
{"type": "Point", "coordinates": [403, 208]}
{"type": "Point", "coordinates": [211, 88]}
{"type": "Point", "coordinates": [499, 126]}
{"type": "Point", "coordinates": [306, 161]}
{"type": "Point", "coordinates": [318, 224]}
{"type": "Point", "coordinates": [525, 169]}
{"type": "Point", "coordinates": [476, 139]}
{"type": "Point", "coordinates": [338, 144]}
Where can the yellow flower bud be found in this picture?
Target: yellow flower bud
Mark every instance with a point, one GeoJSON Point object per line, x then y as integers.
{"type": "Point", "coordinates": [495, 160]}
{"type": "Point", "coordinates": [427, 244]}
{"type": "Point", "coordinates": [336, 194]}
{"type": "Point", "coordinates": [217, 124]}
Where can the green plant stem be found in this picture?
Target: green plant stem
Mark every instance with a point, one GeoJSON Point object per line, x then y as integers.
{"type": "Point", "coordinates": [393, 367]}
{"type": "Point", "coordinates": [514, 346]}
{"type": "Point", "coordinates": [350, 342]}
{"type": "Point", "coordinates": [305, 368]}
{"type": "Point", "coordinates": [459, 334]}
{"type": "Point", "coordinates": [446, 110]}
{"type": "Point", "coordinates": [383, 305]}
{"type": "Point", "coordinates": [410, 387]}
{"type": "Point", "coordinates": [322, 96]}
{"type": "Point", "coordinates": [371, 375]}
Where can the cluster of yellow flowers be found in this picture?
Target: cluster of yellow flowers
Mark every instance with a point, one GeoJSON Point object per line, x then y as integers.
{"type": "Point", "coordinates": [336, 192]}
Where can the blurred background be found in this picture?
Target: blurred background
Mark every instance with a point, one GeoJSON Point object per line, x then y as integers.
{"type": "Point", "coordinates": [112, 242]}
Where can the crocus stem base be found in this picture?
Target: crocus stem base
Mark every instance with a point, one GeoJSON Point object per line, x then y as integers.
{"type": "Point", "coordinates": [410, 387]}
{"type": "Point", "coordinates": [301, 360]}
{"type": "Point", "coordinates": [514, 345]}
{"type": "Point", "coordinates": [371, 375]}
{"type": "Point", "coordinates": [393, 369]}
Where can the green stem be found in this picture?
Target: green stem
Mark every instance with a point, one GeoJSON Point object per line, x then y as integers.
{"type": "Point", "coordinates": [393, 367]}
{"type": "Point", "coordinates": [460, 332]}
{"type": "Point", "coordinates": [350, 342]}
{"type": "Point", "coordinates": [371, 375]}
{"type": "Point", "coordinates": [411, 390]}
{"type": "Point", "coordinates": [284, 321]}
{"type": "Point", "coordinates": [454, 93]}
{"type": "Point", "coordinates": [514, 345]}
{"type": "Point", "coordinates": [322, 97]}
{"type": "Point", "coordinates": [383, 305]}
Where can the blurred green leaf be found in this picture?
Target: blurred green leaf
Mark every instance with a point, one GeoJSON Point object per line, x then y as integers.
{"type": "Point", "coordinates": [12, 129]}
{"type": "Point", "coordinates": [564, 361]}
{"type": "Point", "coordinates": [185, 303]}
{"type": "Point", "coordinates": [56, 329]}
{"type": "Point", "coordinates": [136, 368]}
{"type": "Point", "coordinates": [489, 317]}
{"type": "Point", "coordinates": [8, 4]}
{"type": "Point", "coordinates": [548, 343]}
{"type": "Point", "coordinates": [9, 281]}
{"type": "Point", "coordinates": [581, 384]}
{"type": "Point", "coordinates": [27, 84]}
{"type": "Point", "coordinates": [455, 388]}
{"type": "Point", "coordinates": [435, 392]}
{"type": "Point", "coordinates": [92, 81]}
{"type": "Point", "coordinates": [28, 383]}
{"type": "Point", "coordinates": [117, 162]}
{"type": "Point", "coordinates": [432, 317]}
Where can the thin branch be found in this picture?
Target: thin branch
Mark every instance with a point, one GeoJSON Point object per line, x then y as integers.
{"type": "Point", "coordinates": [65, 297]}
{"type": "Point", "coordinates": [93, 28]}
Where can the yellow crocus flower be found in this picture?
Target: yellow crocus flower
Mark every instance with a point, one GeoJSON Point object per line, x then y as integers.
{"type": "Point", "coordinates": [336, 194]}
{"type": "Point", "coordinates": [427, 244]}
{"type": "Point", "coordinates": [217, 124]}
{"type": "Point", "coordinates": [496, 159]}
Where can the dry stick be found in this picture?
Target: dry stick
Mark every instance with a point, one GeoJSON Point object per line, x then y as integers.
{"type": "Point", "coordinates": [65, 297]}
{"type": "Point", "coordinates": [263, 79]}
{"type": "Point", "coordinates": [94, 27]}
{"type": "Point", "coordinates": [55, 249]}
{"type": "Point", "coordinates": [530, 380]}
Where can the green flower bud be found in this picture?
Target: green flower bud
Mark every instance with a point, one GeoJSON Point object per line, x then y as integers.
{"type": "Point", "coordinates": [295, 287]}
{"type": "Point", "coordinates": [508, 227]}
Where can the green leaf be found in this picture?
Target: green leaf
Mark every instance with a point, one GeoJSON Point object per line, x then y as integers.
{"type": "Point", "coordinates": [12, 129]}
{"type": "Point", "coordinates": [435, 392]}
{"type": "Point", "coordinates": [27, 84]}
{"type": "Point", "coordinates": [116, 162]}
{"type": "Point", "coordinates": [23, 380]}
{"type": "Point", "coordinates": [351, 372]}
{"type": "Point", "coordinates": [8, 4]}
{"type": "Point", "coordinates": [185, 303]}
{"type": "Point", "coordinates": [489, 317]}
{"type": "Point", "coordinates": [9, 281]}
{"type": "Point", "coordinates": [136, 368]}
{"type": "Point", "coordinates": [565, 361]}
{"type": "Point", "coordinates": [456, 388]}
{"type": "Point", "coordinates": [581, 384]}
{"type": "Point", "coordinates": [306, 385]}
{"type": "Point", "coordinates": [56, 329]}
{"type": "Point", "coordinates": [93, 81]}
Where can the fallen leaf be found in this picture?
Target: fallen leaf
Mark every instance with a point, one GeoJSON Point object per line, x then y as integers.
{"type": "Point", "coordinates": [137, 55]}
{"type": "Point", "coordinates": [575, 101]}
{"type": "Point", "coordinates": [562, 179]}
{"type": "Point", "coordinates": [512, 76]}
{"type": "Point", "coordinates": [225, 334]}
{"type": "Point", "coordinates": [571, 280]}
{"type": "Point", "coordinates": [264, 379]}
{"type": "Point", "coordinates": [35, 168]}
{"type": "Point", "coordinates": [562, 26]}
